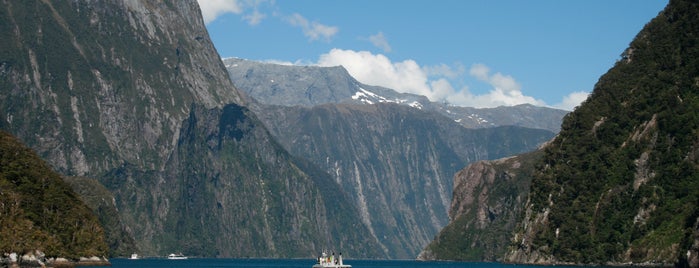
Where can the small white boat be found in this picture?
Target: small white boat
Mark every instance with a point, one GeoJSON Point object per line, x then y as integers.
{"type": "Point", "coordinates": [174, 256]}
{"type": "Point", "coordinates": [134, 256]}
{"type": "Point", "coordinates": [325, 261]}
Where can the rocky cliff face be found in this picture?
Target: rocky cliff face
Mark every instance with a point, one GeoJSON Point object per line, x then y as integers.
{"type": "Point", "coordinates": [133, 93]}
{"type": "Point", "coordinates": [487, 201]}
{"type": "Point", "coordinates": [229, 190]}
{"type": "Point", "coordinates": [395, 162]}
{"type": "Point", "coordinates": [91, 85]}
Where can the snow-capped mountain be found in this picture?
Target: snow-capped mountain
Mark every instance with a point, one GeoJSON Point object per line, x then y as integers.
{"type": "Point", "coordinates": [290, 85]}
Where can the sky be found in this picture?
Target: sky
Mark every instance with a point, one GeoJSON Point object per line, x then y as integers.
{"type": "Point", "coordinates": [475, 53]}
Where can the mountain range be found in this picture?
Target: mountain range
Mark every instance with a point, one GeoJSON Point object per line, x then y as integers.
{"type": "Point", "coordinates": [394, 153]}
{"type": "Point", "coordinates": [131, 97]}
{"type": "Point", "coordinates": [175, 150]}
{"type": "Point", "coordinates": [308, 86]}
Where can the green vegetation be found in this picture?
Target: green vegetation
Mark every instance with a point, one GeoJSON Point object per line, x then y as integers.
{"type": "Point", "coordinates": [622, 178]}
{"type": "Point", "coordinates": [101, 201]}
{"type": "Point", "coordinates": [38, 211]}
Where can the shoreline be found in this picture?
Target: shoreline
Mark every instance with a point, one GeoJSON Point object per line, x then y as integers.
{"type": "Point", "coordinates": [38, 259]}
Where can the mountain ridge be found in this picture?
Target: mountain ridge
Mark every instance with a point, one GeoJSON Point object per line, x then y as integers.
{"type": "Point", "coordinates": [291, 85]}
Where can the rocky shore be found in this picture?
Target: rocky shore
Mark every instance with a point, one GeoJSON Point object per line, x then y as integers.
{"type": "Point", "coordinates": [38, 259]}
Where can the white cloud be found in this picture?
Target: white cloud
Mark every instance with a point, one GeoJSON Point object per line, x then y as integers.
{"type": "Point", "coordinates": [250, 12]}
{"type": "Point", "coordinates": [313, 30]}
{"type": "Point", "coordinates": [505, 89]}
{"type": "Point", "coordinates": [445, 70]}
{"type": "Point", "coordinates": [255, 17]}
{"type": "Point", "coordinates": [434, 82]}
{"type": "Point", "coordinates": [212, 9]}
{"type": "Point", "coordinates": [404, 76]}
{"type": "Point", "coordinates": [479, 71]}
{"type": "Point", "coordinates": [572, 100]}
{"type": "Point", "coordinates": [249, 9]}
{"type": "Point", "coordinates": [380, 41]}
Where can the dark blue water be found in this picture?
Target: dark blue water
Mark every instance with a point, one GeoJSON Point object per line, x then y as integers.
{"type": "Point", "coordinates": [296, 263]}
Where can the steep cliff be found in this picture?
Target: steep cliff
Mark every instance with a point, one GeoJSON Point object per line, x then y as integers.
{"type": "Point", "coordinates": [91, 85]}
{"type": "Point", "coordinates": [620, 183]}
{"type": "Point", "coordinates": [132, 93]}
{"type": "Point", "coordinates": [395, 162]}
{"type": "Point", "coordinates": [229, 190]}
{"type": "Point", "coordinates": [486, 205]}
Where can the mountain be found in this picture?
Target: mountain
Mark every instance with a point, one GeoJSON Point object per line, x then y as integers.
{"type": "Point", "coordinates": [486, 205]}
{"type": "Point", "coordinates": [133, 94]}
{"type": "Point", "coordinates": [618, 185]}
{"type": "Point", "coordinates": [308, 86]}
{"type": "Point", "coordinates": [286, 85]}
{"type": "Point", "coordinates": [40, 215]}
{"type": "Point", "coordinates": [87, 77]}
{"type": "Point", "coordinates": [395, 162]}
{"type": "Point", "coordinates": [393, 153]}
{"type": "Point", "coordinates": [229, 190]}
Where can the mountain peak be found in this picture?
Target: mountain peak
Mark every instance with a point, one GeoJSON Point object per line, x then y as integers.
{"type": "Point", "coordinates": [291, 85]}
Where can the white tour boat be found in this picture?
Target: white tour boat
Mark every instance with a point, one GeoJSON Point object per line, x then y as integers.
{"type": "Point", "coordinates": [174, 256]}
{"type": "Point", "coordinates": [325, 261]}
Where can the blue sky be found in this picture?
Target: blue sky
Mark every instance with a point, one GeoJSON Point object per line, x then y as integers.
{"type": "Point", "coordinates": [466, 52]}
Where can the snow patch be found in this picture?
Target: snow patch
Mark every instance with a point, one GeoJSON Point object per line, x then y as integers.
{"type": "Point", "coordinates": [368, 97]}
{"type": "Point", "coordinates": [416, 104]}
{"type": "Point", "coordinates": [477, 118]}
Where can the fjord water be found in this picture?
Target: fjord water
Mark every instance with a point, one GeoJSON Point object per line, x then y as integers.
{"type": "Point", "coordinates": [296, 263]}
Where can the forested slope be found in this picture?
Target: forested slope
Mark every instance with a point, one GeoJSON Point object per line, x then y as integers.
{"type": "Point", "coordinates": [38, 211]}
{"type": "Point", "coordinates": [621, 182]}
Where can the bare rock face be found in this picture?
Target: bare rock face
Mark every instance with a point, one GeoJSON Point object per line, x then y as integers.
{"type": "Point", "coordinates": [486, 206]}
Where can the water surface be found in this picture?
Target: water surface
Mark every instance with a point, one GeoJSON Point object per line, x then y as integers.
{"type": "Point", "coordinates": [297, 263]}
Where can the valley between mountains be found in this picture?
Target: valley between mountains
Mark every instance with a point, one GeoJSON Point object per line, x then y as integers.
{"type": "Point", "coordinates": [126, 108]}
{"type": "Point", "coordinates": [122, 95]}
